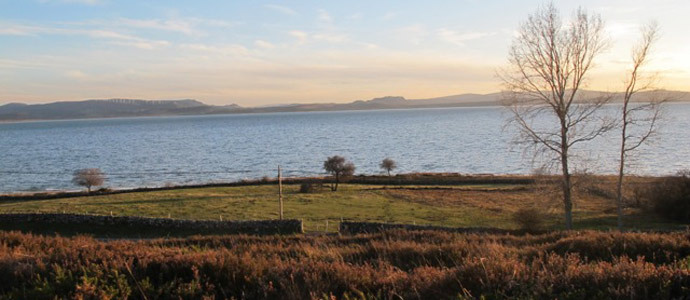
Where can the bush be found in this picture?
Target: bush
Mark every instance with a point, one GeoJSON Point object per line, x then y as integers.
{"type": "Point", "coordinates": [670, 197]}
{"type": "Point", "coordinates": [529, 219]}
{"type": "Point", "coordinates": [306, 187]}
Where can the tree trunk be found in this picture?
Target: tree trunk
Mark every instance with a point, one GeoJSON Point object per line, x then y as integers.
{"type": "Point", "coordinates": [621, 168]}
{"type": "Point", "coordinates": [567, 196]}
{"type": "Point", "coordinates": [619, 195]}
{"type": "Point", "coordinates": [337, 179]}
{"type": "Point", "coordinates": [389, 173]}
{"type": "Point", "coordinates": [88, 189]}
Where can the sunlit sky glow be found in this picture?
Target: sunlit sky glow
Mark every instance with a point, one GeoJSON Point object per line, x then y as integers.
{"type": "Point", "coordinates": [258, 53]}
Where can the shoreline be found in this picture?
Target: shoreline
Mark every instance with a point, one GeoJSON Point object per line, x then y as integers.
{"type": "Point", "coordinates": [407, 179]}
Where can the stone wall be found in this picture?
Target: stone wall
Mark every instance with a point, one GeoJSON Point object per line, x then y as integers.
{"type": "Point", "coordinates": [121, 223]}
{"type": "Point", "coordinates": [371, 227]}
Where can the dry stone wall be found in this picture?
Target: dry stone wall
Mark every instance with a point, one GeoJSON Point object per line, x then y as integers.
{"type": "Point", "coordinates": [261, 227]}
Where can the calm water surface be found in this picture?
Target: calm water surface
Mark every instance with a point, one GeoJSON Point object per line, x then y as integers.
{"type": "Point", "coordinates": [157, 151]}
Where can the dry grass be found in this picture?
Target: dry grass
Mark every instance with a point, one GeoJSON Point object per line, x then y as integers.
{"type": "Point", "coordinates": [389, 265]}
{"type": "Point", "coordinates": [475, 205]}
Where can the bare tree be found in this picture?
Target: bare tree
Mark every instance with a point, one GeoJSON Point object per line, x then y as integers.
{"type": "Point", "coordinates": [339, 168]}
{"type": "Point", "coordinates": [388, 165]}
{"type": "Point", "coordinates": [639, 120]}
{"type": "Point", "coordinates": [548, 64]}
{"type": "Point", "coordinates": [88, 178]}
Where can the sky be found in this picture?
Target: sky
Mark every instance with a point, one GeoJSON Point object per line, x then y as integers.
{"type": "Point", "coordinates": [256, 53]}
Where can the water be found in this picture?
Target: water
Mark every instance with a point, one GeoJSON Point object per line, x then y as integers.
{"type": "Point", "coordinates": [136, 152]}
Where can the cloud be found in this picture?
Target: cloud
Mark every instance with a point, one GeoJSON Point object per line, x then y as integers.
{"type": "Point", "coordinates": [414, 33]}
{"type": "Point", "coordinates": [176, 25]}
{"type": "Point", "coordinates": [356, 16]}
{"type": "Point", "coordinates": [115, 37]}
{"type": "Point", "coordinates": [264, 44]}
{"type": "Point", "coordinates": [84, 2]}
{"type": "Point", "coordinates": [459, 38]}
{"type": "Point", "coordinates": [301, 36]}
{"type": "Point", "coordinates": [224, 50]}
{"type": "Point", "coordinates": [76, 74]}
{"type": "Point", "coordinates": [127, 40]}
{"type": "Point", "coordinates": [16, 30]}
{"type": "Point", "coordinates": [331, 37]}
{"type": "Point", "coordinates": [281, 9]}
{"type": "Point", "coordinates": [143, 44]}
{"type": "Point", "coordinates": [389, 15]}
{"type": "Point", "coordinates": [324, 16]}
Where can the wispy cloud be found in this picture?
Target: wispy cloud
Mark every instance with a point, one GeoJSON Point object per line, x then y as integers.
{"type": "Point", "coordinates": [356, 16]}
{"type": "Point", "coordinates": [16, 30]}
{"type": "Point", "coordinates": [116, 38]}
{"type": "Point", "coordinates": [389, 15]}
{"type": "Point", "coordinates": [301, 36]}
{"type": "Point", "coordinates": [84, 2]}
{"type": "Point", "coordinates": [281, 9]}
{"type": "Point", "coordinates": [264, 44]}
{"type": "Point", "coordinates": [76, 74]}
{"type": "Point", "coordinates": [413, 33]}
{"type": "Point", "coordinates": [459, 38]}
{"type": "Point", "coordinates": [223, 50]}
{"type": "Point", "coordinates": [324, 16]}
{"type": "Point", "coordinates": [331, 37]}
{"type": "Point", "coordinates": [176, 25]}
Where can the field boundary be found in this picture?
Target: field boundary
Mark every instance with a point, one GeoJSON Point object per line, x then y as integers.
{"type": "Point", "coordinates": [430, 179]}
{"type": "Point", "coordinates": [77, 223]}
{"type": "Point", "coordinates": [349, 227]}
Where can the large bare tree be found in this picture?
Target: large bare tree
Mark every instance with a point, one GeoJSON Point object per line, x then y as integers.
{"type": "Point", "coordinates": [548, 65]}
{"type": "Point", "coordinates": [638, 120]}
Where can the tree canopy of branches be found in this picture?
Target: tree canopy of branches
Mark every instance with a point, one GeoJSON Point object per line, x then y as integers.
{"type": "Point", "coordinates": [88, 178]}
{"type": "Point", "coordinates": [388, 165]}
{"type": "Point", "coordinates": [638, 121]}
{"type": "Point", "coordinates": [339, 168]}
{"type": "Point", "coordinates": [548, 64]}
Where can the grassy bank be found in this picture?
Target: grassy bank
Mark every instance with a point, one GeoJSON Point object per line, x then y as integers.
{"type": "Point", "coordinates": [475, 205]}
{"type": "Point", "coordinates": [389, 265]}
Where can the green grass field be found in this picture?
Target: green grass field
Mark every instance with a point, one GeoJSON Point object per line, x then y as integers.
{"type": "Point", "coordinates": [461, 205]}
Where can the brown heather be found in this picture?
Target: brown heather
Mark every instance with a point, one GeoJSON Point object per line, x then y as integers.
{"type": "Point", "coordinates": [389, 265]}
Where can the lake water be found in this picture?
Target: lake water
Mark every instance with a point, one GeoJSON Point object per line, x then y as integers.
{"type": "Point", "coordinates": [136, 152]}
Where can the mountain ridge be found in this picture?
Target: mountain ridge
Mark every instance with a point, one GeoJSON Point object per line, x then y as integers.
{"type": "Point", "coordinates": [121, 107]}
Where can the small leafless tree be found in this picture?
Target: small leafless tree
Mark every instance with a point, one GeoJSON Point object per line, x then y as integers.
{"type": "Point", "coordinates": [638, 120]}
{"type": "Point", "coordinates": [88, 178]}
{"type": "Point", "coordinates": [548, 65]}
{"type": "Point", "coordinates": [339, 168]}
{"type": "Point", "coordinates": [388, 165]}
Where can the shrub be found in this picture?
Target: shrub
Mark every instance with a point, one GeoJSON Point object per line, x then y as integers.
{"type": "Point", "coordinates": [388, 165]}
{"type": "Point", "coordinates": [306, 187]}
{"type": "Point", "coordinates": [88, 178]}
{"type": "Point", "coordinates": [670, 197]}
{"type": "Point", "coordinates": [529, 219]}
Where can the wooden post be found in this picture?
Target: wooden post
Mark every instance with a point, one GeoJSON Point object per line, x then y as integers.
{"type": "Point", "coordinates": [280, 191]}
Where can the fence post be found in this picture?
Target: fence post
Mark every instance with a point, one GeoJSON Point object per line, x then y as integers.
{"type": "Point", "coordinates": [280, 191]}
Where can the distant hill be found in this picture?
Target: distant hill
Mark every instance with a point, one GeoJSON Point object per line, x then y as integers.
{"type": "Point", "coordinates": [111, 108]}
